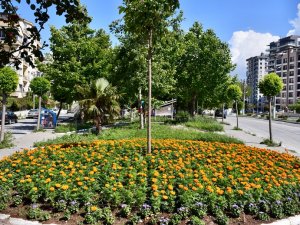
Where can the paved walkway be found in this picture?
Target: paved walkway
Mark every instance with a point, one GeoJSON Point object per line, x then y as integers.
{"type": "Point", "coordinates": [27, 141]}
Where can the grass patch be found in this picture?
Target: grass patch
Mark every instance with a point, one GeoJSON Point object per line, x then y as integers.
{"type": "Point", "coordinates": [270, 143]}
{"type": "Point", "coordinates": [100, 182]}
{"type": "Point", "coordinates": [39, 130]}
{"type": "Point", "coordinates": [64, 128]}
{"type": "Point", "coordinates": [205, 123]}
{"type": "Point", "coordinates": [237, 128]}
{"type": "Point", "coordinates": [7, 141]}
{"type": "Point", "coordinates": [132, 131]}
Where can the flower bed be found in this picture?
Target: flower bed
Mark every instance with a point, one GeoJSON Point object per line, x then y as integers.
{"type": "Point", "coordinates": [185, 179]}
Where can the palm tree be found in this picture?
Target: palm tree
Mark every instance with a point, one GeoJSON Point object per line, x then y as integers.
{"type": "Point", "coordinates": [100, 103]}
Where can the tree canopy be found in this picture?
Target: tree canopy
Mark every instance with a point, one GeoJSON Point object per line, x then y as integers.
{"type": "Point", "coordinates": [9, 80]}
{"type": "Point", "coordinates": [40, 85]}
{"type": "Point", "coordinates": [271, 85]}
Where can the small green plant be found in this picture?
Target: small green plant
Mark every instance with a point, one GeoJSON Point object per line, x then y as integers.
{"type": "Point", "coordinates": [237, 128]}
{"type": "Point", "coordinates": [194, 220]}
{"type": "Point", "coordinates": [36, 213]}
{"type": "Point", "coordinates": [263, 216]}
{"type": "Point", "coordinates": [134, 219]}
{"type": "Point", "coordinates": [17, 199]}
{"type": "Point", "coordinates": [277, 209]}
{"type": "Point", "coordinates": [7, 141]}
{"type": "Point", "coordinates": [235, 210]}
{"type": "Point", "coordinates": [175, 219]}
{"type": "Point", "coordinates": [199, 209]}
{"type": "Point", "coordinates": [270, 143]}
{"type": "Point", "coordinates": [145, 210]}
{"type": "Point", "coordinates": [291, 206]}
{"type": "Point", "coordinates": [73, 206]}
{"type": "Point", "coordinates": [251, 209]}
{"type": "Point", "coordinates": [125, 210]}
{"type": "Point", "coordinates": [222, 219]}
{"type": "Point", "coordinates": [183, 212]}
{"type": "Point", "coordinates": [60, 205]}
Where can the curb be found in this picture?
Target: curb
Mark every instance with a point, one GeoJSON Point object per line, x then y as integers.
{"type": "Point", "coordinates": [5, 219]}
{"type": "Point", "coordinates": [295, 220]}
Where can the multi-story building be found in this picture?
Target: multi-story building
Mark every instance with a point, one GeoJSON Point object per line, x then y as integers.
{"type": "Point", "coordinates": [256, 69]}
{"type": "Point", "coordinates": [26, 72]}
{"type": "Point", "coordinates": [284, 59]}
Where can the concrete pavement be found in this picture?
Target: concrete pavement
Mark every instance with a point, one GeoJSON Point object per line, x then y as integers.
{"type": "Point", "coordinates": [27, 141]}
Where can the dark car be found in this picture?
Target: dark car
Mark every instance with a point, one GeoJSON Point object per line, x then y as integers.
{"type": "Point", "coordinates": [219, 113]}
{"type": "Point", "coordinates": [10, 117]}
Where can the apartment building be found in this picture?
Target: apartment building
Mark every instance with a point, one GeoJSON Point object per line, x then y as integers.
{"type": "Point", "coordinates": [257, 67]}
{"type": "Point", "coordinates": [26, 72]}
{"type": "Point", "coordinates": [284, 60]}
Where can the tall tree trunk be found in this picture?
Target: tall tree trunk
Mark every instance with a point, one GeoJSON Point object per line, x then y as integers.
{"type": "Point", "coordinates": [4, 97]}
{"type": "Point", "coordinates": [193, 105]}
{"type": "Point", "coordinates": [270, 126]}
{"type": "Point", "coordinates": [39, 115]}
{"type": "Point", "coordinates": [237, 115]}
{"type": "Point", "coordinates": [141, 109]}
{"type": "Point", "coordinates": [223, 113]}
{"type": "Point", "coordinates": [149, 57]}
{"type": "Point", "coordinates": [58, 113]}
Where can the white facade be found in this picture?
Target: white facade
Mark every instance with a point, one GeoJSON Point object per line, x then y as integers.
{"type": "Point", "coordinates": [26, 72]}
{"type": "Point", "coordinates": [257, 68]}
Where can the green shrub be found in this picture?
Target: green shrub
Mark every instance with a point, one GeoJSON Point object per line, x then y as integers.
{"type": "Point", "coordinates": [7, 141]}
{"type": "Point", "coordinates": [182, 117]}
{"type": "Point", "coordinates": [205, 123]}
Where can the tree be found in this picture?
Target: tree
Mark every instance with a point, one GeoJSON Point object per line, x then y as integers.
{"type": "Point", "coordinates": [40, 86]}
{"type": "Point", "coordinates": [203, 67]}
{"type": "Point", "coordinates": [270, 86]}
{"type": "Point", "coordinates": [79, 56]}
{"type": "Point", "coordinates": [100, 102]}
{"type": "Point", "coordinates": [9, 80]}
{"type": "Point", "coordinates": [148, 20]}
{"type": "Point", "coordinates": [234, 92]}
{"type": "Point", "coordinates": [12, 53]}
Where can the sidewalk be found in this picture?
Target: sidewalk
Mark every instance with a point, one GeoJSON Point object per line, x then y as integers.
{"type": "Point", "coordinates": [252, 140]}
{"type": "Point", "coordinates": [28, 140]}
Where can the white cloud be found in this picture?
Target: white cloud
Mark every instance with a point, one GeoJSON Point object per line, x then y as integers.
{"type": "Point", "coordinates": [246, 44]}
{"type": "Point", "coordinates": [295, 24]}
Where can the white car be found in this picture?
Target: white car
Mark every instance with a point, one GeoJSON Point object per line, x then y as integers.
{"type": "Point", "coordinates": [33, 113]}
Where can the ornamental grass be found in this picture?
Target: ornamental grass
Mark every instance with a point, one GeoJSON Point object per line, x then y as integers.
{"type": "Point", "coordinates": [186, 179]}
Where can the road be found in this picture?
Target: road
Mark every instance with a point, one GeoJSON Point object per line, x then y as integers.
{"type": "Point", "coordinates": [23, 127]}
{"type": "Point", "coordinates": [286, 133]}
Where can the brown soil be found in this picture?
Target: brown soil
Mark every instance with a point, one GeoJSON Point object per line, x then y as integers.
{"type": "Point", "coordinates": [19, 212]}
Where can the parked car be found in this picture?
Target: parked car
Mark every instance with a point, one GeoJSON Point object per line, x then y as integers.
{"type": "Point", "coordinates": [219, 113]}
{"type": "Point", "coordinates": [33, 113]}
{"type": "Point", "coordinates": [10, 117]}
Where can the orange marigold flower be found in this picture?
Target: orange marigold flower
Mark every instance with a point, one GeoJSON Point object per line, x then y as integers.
{"type": "Point", "coordinates": [164, 197]}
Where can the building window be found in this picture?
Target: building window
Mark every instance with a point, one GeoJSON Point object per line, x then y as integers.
{"type": "Point", "coordinates": [292, 59]}
{"type": "Point", "coordinates": [298, 79]}
{"type": "Point", "coordinates": [291, 80]}
{"type": "Point", "coordinates": [284, 81]}
{"type": "Point", "coordinates": [284, 74]}
{"type": "Point", "coordinates": [2, 34]}
{"type": "Point", "coordinates": [291, 101]}
{"type": "Point", "coordinates": [284, 67]}
{"type": "Point", "coordinates": [284, 88]}
{"type": "Point", "coordinates": [290, 94]}
{"type": "Point", "coordinates": [283, 95]}
{"type": "Point", "coordinates": [291, 87]}
{"type": "Point", "coordinates": [292, 66]}
{"type": "Point", "coordinates": [291, 73]}
{"type": "Point", "coordinates": [298, 86]}
{"type": "Point", "coordinates": [298, 93]}
{"type": "Point", "coordinates": [285, 60]}
{"type": "Point", "coordinates": [278, 61]}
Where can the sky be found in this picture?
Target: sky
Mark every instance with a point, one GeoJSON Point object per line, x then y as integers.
{"type": "Point", "coordinates": [248, 26]}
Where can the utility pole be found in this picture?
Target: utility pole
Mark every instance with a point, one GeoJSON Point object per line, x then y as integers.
{"type": "Point", "coordinates": [244, 96]}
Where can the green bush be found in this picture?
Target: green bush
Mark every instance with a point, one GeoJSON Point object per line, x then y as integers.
{"type": "Point", "coordinates": [205, 123]}
{"type": "Point", "coordinates": [7, 141]}
{"type": "Point", "coordinates": [182, 117]}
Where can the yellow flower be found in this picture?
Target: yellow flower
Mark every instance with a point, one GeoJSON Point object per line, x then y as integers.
{"type": "Point", "coordinates": [57, 185]}
{"type": "Point", "coordinates": [64, 187]}
{"type": "Point", "coordinates": [156, 194]}
{"type": "Point", "coordinates": [170, 187]}
{"type": "Point", "coordinates": [164, 197]}
{"type": "Point", "coordinates": [34, 188]}
{"type": "Point", "coordinates": [80, 183]}
{"type": "Point", "coordinates": [94, 208]}
{"type": "Point", "coordinates": [52, 189]}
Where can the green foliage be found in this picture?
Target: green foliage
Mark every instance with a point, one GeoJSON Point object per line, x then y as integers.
{"type": "Point", "coordinates": [271, 85]}
{"type": "Point", "coordinates": [8, 80]}
{"type": "Point", "coordinates": [234, 92]}
{"type": "Point", "coordinates": [7, 141]}
{"type": "Point", "coordinates": [40, 86]}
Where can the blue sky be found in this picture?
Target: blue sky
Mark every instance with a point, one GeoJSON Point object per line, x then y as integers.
{"type": "Point", "coordinates": [246, 25]}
